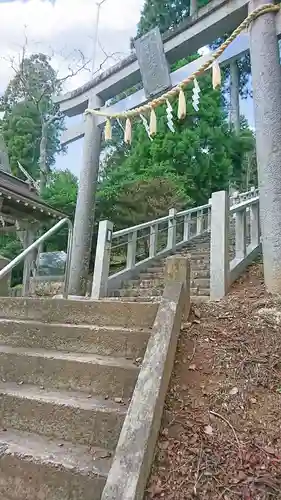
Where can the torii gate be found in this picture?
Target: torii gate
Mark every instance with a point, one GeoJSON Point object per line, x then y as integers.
{"type": "Point", "coordinates": [207, 24]}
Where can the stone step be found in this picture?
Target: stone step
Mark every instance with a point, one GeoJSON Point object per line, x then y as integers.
{"type": "Point", "coordinates": [200, 245]}
{"type": "Point", "coordinates": [198, 270]}
{"type": "Point", "coordinates": [138, 292]}
{"type": "Point", "coordinates": [101, 313]}
{"type": "Point", "coordinates": [200, 291]}
{"type": "Point", "coordinates": [151, 283]}
{"type": "Point", "coordinates": [155, 300]}
{"type": "Point", "coordinates": [150, 292]}
{"type": "Point", "coordinates": [34, 467]}
{"type": "Point", "coordinates": [199, 299]}
{"type": "Point", "coordinates": [62, 415]}
{"type": "Point", "coordinates": [154, 280]}
{"type": "Point", "coordinates": [103, 340]}
{"type": "Point", "coordinates": [200, 266]}
{"type": "Point", "coordinates": [156, 269]}
{"type": "Point", "coordinates": [195, 299]}
{"type": "Point", "coordinates": [159, 267]}
{"type": "Point", "coordinates": [99, 375]}
{"type": "Point", "coordinates": [197, 255]}
{"type": "Point", "coordinates": [151, 275]}
{"type": "Point", "coordinates": [200, 282]}
{"type": "Point", "coordinates": [200, 274]}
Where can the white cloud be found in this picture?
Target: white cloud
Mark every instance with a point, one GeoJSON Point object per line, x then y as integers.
{"type": "Point", "coordinates": [65, 27]}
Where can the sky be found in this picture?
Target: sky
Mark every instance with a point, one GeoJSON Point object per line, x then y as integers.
{"type": "Point", "coordinates": [62, 28]}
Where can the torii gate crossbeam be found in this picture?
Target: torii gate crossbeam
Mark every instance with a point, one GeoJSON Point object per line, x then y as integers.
{"type": "Point", "coordinates": [218, 17]}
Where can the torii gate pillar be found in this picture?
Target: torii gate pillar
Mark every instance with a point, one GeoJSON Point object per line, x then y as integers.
{"type": "Point", "coordinates": [266, 77]}
{"type": "Point", "coordinates": [84, 214]}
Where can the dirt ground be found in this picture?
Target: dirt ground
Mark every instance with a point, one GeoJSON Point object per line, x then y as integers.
{"type": "Point", "coordinates": [221, 430]}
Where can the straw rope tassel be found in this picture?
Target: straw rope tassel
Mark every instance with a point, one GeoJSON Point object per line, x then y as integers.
{"type": "Point", "coordinates": [181, 105]}
{"type": "Point", "coordinates": [108, 130]}
{"type": "Point", "coordinates": [216, 75]}
{"type": "Point", "coordinates": [262, 9]}
{"type": "Point", "coordinates": [153, 123]}
{"type": "Point", "coordinates": [128, 132]}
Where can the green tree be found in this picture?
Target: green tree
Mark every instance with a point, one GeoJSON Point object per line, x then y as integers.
{"type": "Point", "coordinates": [32, 122]}
{"type": "Point", "coordinates": [164, 13]}
{"type": "Point", "coordinates": [22, 131]}
{"type": "Point", "coordinates": [202, 155]}
{"type": "Point", "coordinates": [138, 199]}
{"type": "Point", "coordinates": [61, 193]}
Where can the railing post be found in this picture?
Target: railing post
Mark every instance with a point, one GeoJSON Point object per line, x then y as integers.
{"type": "Point", "coordinates": [193, 9]}
{"type": "Point", "coordinates": [186, 227]}
{"type": "Point", "coordinates": [178, 269]}
{"type": "Point", "coordinates": [209, 214]}
{"type": "Point", "coordinates": [102, 262]}
{"type": "Point", "coordinates": [26, 281]}
{"type": "Point", "coordinates": [255, 224]}
{"type": "Point", "coordinates": [199, 222]}
{"type": "Point", "coordinates": [172, 229]}
{"type": "Point", "coordinates": [153, 240]}
{"type": "Point", "coordinates": [131, 250]}
{"type": "Point", "coordinates": [240, 235]}
{"type": "Point", "coordinates": [5, 282]}
{"type": "Point", "coordinates": [219, 245]}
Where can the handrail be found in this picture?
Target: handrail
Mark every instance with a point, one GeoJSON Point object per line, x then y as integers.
{"type": "Point", "coordinates": [166, 218]}
{"type": "Point", "coordinates": [37, 243]}
{"type": "Point", "coordinates": [243, 204]}
{"type": "Point", "coordinates": [193, 210]}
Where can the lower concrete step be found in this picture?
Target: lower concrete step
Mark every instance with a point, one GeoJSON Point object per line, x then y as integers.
{"type": "Point", "coordinates": [63, 415]}
{"type": "Point", "coordinates": [100, 375]}
{"type": "Point", "coordinates": [157, 269]}
{"type": "Point", "coordinates": [200, 282]}
{"type": "Point", "coordinates": [101, 313]}
{"type": "Point", "coordinates": [199, 299]}
{"type": "Point", "coordinates": [33, 467]}
{"type": "Point", "coordinates": [200, 266]}
{"type": "Point", "coordinates": [104, 341]}
{"type": "Point", "coordinates": [151, 275]}
{"type": "Point", "coordinates": [137, 292]}
{"type": "Point", "coordinates": [200, 291]}
{"type": "Point", "coordinates": [200, 273]}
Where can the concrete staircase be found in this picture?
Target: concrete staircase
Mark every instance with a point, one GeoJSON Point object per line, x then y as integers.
{"type": "Point", "coordinates": [150, 284]}
{"type": "Point", "coordinates": [67, 372]}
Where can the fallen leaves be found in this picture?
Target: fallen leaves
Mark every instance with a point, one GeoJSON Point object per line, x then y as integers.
{"type": "Point", "coordinates": [222, 440]}
{"type": "Point", "coordinates": [208, 430]}
{"type": "Point", "coordinates": [192, 367]}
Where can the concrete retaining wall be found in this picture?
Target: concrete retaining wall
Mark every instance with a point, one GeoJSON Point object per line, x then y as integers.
{"type": "Point", "coordinates": [134, 454]}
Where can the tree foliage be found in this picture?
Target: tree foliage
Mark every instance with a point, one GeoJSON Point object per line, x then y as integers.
{"type": "Point", "coordinates": [202, 156]}
{"type": "Point", "coordinates": [22, 131]}
{"type": "Point", "coordinates": [61, 192]}
{"type": "Point", "coordinates": [141, 199]}
{"type": "Point", "coordinates": [31, 117]}
{"type": "Point", "coordinates": [164, 13]}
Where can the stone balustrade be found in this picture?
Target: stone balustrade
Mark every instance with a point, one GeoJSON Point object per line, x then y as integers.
{"type": "Point", "coordinates": [132, 250]}
{"type": "Point", "coordinates": [235, 242]}
{"type": "Point", "coordinates": [235, 239]}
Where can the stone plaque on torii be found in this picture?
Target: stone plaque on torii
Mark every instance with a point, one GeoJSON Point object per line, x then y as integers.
{"type": "Point", "coordinates": [153, 64]}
